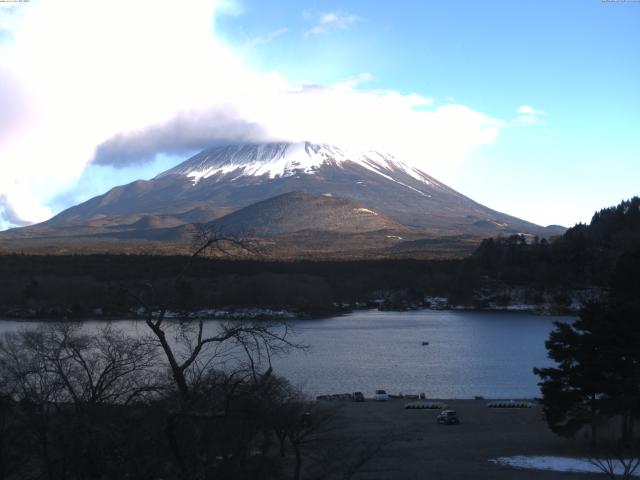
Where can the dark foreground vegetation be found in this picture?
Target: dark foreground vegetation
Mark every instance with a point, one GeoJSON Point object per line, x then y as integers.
{"type": "Point", "coordinates": [596, 379]}
{"type": "Point", "coordinates": [100, 405]}
{"type": "Point", "coordinates": [178, 400]}
{"type": "Point", "coordinates": [502, 271]}
{"type": "Point", "coordinates": [594, 389]}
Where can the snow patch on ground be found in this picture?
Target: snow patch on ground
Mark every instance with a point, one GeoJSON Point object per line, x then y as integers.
{"type": "Point", "coordinates": [556, 464]}
{"type": "Point", "coordinates": [249, 313]}
{"type": "Point", "coordinates": [365, 210]}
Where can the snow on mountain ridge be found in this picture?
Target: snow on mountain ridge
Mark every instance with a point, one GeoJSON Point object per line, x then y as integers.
{"type": "Point", "coordinates": [287, 159]}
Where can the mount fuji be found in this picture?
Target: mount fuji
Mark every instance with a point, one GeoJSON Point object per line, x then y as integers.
{"type": "Point", "coordinates": [283, 190]}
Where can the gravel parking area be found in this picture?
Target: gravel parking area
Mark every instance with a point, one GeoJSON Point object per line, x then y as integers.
{"type": "Point", "coordinates": [417, 447]}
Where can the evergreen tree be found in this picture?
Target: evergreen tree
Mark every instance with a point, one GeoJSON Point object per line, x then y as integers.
{"type": "Point", "coordinates": [598, 360]}
{"type": "Point", "coordinates": [572, 393]}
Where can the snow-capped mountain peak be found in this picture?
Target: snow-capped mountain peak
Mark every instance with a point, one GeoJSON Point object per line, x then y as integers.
{"type": "Point", "coordinates": [276, 160]}
{"type": "Point", "coordinates": [222, 180]}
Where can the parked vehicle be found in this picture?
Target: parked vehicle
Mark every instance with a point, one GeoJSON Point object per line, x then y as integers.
{"type": "Point", "coordinates": [381, 396]}
{"type": "Point", "coordinates": [448, 417]}
{"type": "Point", "coordinates": [358, 397]}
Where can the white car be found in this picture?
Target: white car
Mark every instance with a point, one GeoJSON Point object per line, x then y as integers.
{"type": "Point", "coordinates": [381, 396]}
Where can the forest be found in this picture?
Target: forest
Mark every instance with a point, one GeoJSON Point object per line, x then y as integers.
{"type": "Point", "coordinates": [84, 286]}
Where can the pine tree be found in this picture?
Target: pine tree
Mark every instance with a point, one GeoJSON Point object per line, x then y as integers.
{"type": "Point", "coordinates": [597, 375]}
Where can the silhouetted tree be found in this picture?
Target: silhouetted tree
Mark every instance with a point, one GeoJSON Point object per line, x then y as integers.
{"type": "Point", "coordinates": [573, 392]}
{"type": "Point", "coordinates": [62, 385]}
{"type": "Point", "coordinates": [598, 360]}
{"type": "Point", "coordinates": [192, 347]}
{"type": "Point", "coordinates": [233, 357]}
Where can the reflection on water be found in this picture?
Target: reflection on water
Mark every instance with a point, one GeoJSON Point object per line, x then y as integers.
{"type": "Point", "coordinates": [469, 353]}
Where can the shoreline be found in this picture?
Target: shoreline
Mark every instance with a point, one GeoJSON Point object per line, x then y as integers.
{"type": "Point", "coordinates": [258, 313]}
{"type": "Point", "coordinates": [465, 400]}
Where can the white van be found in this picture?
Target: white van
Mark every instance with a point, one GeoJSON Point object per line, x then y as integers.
{"type": "Point", "coordinates": [381, 396]}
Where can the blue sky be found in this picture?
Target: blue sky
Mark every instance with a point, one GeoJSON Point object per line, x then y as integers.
{"type": "Point", "coordinates": [529, 107]}
{"type": "Point", "coordinates": [577, 60]}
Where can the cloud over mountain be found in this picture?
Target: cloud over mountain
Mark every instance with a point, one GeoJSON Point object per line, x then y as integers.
{"type": "Point", "coordinates": [339, 113]}
{"type": "Point", "coordinates": [100, 91]}
{"type": "Point", "coordinates": [184, 133]}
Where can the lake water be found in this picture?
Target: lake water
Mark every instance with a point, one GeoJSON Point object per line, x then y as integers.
{"type": "Point", "coordinates": [491, 354]}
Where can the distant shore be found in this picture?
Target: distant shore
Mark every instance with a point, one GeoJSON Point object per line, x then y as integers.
{"type": "Point", "coordinates": [228, 313]}
{"type": "Point", "coordinates": [263, 313]}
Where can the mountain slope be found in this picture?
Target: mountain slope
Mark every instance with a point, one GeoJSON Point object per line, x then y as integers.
{"type": "Point", "coordinates": [300, 211]}
{"type": "Point", "coordinates": [224, 179]}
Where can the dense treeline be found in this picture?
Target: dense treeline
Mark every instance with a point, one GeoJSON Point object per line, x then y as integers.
{"type": "Point", "coordinates": [585, 255]}
{"type": "Point", "coordinates": [77, 285]}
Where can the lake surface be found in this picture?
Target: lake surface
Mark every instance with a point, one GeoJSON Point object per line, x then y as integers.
{"type": "Point", "coordinates": [491, 354]}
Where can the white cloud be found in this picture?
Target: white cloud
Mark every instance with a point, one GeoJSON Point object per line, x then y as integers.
{"type": "Point", "coordinates": [336, 20]}
{"type": "Point", "coordinates": [126, 81]}
{"type": "Point", "coordinates": [529, 110]}
{"type": "Point", "coordinates": [232, 8]}
{"type": "Point", "coordinates": [338, 114]}
{"type": "Point", "coordinates": [529, 115]}
{"type": "Point", "coordinates": [361, 78]}
{"type": "Point", "coordinates": [10, 17]}
{"type": "Point", "coordinates": [265, 39]}
{"type": "Point", "coordinates": [88, 70]}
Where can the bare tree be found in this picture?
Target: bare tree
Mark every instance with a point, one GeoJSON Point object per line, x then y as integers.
{"type": "Point", "coordinates": [30, 382]}
{"type": "Point", "coordinates": [248, 345]}
{"type": "Point", "coordinates": [209, 420]}
{"type": "Point", "coordinates": [106, 367]}
{"type": "Point", "coordinates": [59, 379]}
{"type": "Point", "coordinates": [320, 440]}
{"type": "Point", "coordinates": [210, 362]}
{"type": "Point", "coordinates": [310, 425]}
{"type": "Point", "coordinates": [59, 363]}
{"type": "Point", "coordinates": [618, 462]}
